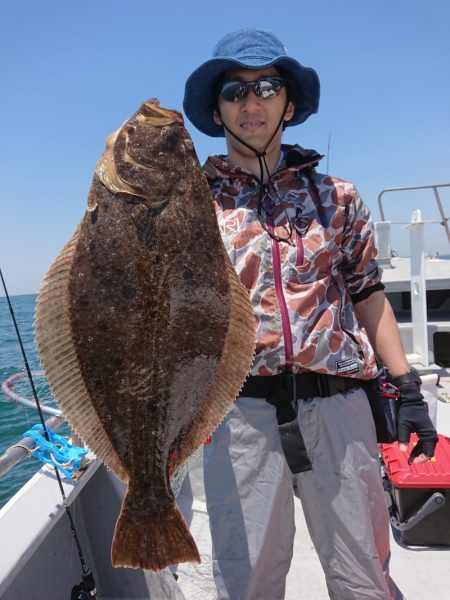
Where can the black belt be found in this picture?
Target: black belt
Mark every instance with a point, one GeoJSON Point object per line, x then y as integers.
{"type": "Point", "coordinates": [300, 386]}
{"type": "Point", "coordinates": [280, 390]}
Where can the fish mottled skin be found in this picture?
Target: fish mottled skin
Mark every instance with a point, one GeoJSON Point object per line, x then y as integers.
{"type": "Point", "coordinates": [144, 331]}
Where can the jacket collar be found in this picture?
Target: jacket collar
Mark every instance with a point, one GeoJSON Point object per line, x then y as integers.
{"type": "Point", "coordinates": [294, 158]}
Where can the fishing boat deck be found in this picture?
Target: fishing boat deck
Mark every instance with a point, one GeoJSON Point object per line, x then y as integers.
{"type": "Point", "coordinates": [398, 278]}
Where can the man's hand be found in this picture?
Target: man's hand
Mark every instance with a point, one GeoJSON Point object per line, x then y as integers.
{"type": "Point", "coordinates": [413, 417]}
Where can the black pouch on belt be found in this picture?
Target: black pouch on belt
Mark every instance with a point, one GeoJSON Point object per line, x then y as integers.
{"type": "Point", "coordinates": [291, 437]}
{"type": "Point", "coordinates": [384, 408]}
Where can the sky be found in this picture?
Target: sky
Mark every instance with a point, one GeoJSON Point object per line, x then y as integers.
{"type": "Point", "coordinates": [72, 72]}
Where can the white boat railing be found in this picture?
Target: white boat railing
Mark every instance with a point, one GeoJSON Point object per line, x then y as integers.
{"type": "Point", "coordinates": [444, 218]}
{"type": "Point", "coordinates": [419, 320]}
{"type": "Point", "coordinates": [25, 447]}
{"type": "Point", "coordinates": [417, 255]}
{"type": "Point", "coordinates": [11, 394]}
{"type": "Point", "coordinates": [418, 288]}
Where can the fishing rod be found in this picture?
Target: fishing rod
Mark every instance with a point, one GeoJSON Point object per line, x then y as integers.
{"type": "Point", "coordinates": [86, 589]}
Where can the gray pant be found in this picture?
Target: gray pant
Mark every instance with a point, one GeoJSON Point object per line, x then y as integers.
{"type": "Point", "coordinates": [250, 502]}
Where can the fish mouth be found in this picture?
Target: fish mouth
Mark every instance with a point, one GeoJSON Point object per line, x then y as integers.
{"type": "Point", "coordinates": [106, 170]}
{"type": "Point", "coordinates": [152, 114]}
{"type": "Point", "coordinates": [107, 173]}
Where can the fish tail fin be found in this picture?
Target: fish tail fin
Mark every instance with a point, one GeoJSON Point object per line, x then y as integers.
{"type": "Point", "coordinates": [152, 541]}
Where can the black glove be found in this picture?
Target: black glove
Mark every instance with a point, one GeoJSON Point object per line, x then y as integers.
{"type": "Point", "coordinates": [413, 416]}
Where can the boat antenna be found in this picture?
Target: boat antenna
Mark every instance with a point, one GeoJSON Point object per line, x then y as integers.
{"type": "Point", "coordinates": [328, 153]}
{"type": "Point", "coordinates": [86, 589]}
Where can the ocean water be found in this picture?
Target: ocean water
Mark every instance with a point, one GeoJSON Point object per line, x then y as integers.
{"type": "Point", "coordinates": [15, 420]}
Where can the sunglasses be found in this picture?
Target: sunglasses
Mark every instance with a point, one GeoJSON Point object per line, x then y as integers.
{"type": "Point", "coordinates": [266, 87]}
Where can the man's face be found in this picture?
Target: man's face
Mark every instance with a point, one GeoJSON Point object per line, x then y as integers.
{"type": "Point", "coordinates": [253, 119]}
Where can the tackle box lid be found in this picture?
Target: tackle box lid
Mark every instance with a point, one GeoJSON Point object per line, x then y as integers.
{"type": "Point", "coordinates": [433, 474]}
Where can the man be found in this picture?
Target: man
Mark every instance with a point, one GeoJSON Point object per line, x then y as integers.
{"type": "Point", "coordinates": [302, 243]}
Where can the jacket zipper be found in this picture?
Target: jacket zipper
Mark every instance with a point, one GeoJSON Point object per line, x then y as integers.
{"type": "Point", "coordinates": [285, 321]}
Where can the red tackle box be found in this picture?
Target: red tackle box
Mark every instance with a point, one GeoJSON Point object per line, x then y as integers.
{"type": "Point", "coordinates": [420, 494]}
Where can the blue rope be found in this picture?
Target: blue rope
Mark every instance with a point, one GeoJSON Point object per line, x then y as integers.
{"type": "Point", "coordinates": [56, 451]}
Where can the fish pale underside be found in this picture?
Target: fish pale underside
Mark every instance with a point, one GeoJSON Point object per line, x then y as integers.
{"type": "Point", "coordinates": [144, 331]}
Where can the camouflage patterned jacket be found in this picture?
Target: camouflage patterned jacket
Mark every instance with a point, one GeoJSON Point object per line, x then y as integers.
{"type": "Point", "coordinates": [302, 292]}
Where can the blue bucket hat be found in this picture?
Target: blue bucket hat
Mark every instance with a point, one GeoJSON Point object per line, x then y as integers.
{"type": "Point", "coordinates": [247, 48]}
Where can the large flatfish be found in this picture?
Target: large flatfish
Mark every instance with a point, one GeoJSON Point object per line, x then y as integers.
{"type": "Point", "coordinates": [143, 329]}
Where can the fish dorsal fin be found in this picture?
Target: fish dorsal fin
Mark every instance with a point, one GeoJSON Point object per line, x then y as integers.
{"type": "Point", "coordinates": [59, 359]}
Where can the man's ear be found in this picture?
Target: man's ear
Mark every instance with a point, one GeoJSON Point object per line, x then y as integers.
{"type": "Point", "coordinates": [289, 111]}
{"type": "Point", "coordinates": [217, 118]}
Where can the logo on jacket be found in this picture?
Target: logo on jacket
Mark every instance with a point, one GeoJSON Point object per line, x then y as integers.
{"type": "Point", "coordinates": [347, 366]}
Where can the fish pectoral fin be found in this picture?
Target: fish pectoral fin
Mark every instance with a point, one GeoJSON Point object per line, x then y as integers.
{"type": "Point", "coordinates": [152, 541]}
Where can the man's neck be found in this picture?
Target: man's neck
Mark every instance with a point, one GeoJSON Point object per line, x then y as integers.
{"type": "Point", "coordinates": [251, 163]}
